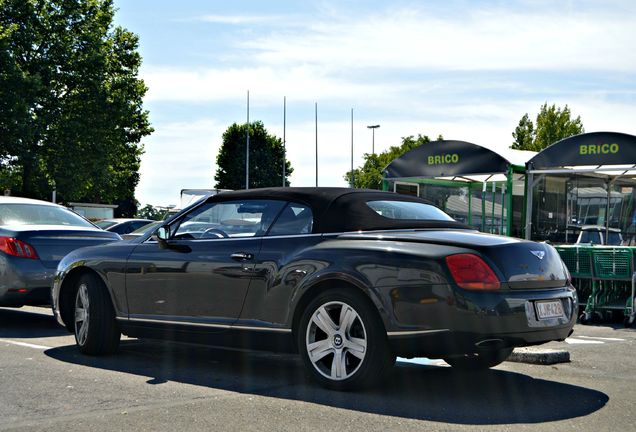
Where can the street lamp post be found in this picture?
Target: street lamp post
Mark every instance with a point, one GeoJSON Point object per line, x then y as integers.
{"type": "Point", "coordinates": [373, 128]}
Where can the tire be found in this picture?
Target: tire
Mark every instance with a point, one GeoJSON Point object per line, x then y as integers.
{"type": "Point", "coordinates": [352, 357]}
{"type": "Point", "coordinates": [585, 319]}
{"type": "Point", "coordinates": [479, 361]}
{"type": "Point", "coordinates": [95, 328]}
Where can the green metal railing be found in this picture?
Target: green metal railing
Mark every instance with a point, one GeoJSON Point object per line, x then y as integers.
{"type": "Point", "coordinates": [602, 276]}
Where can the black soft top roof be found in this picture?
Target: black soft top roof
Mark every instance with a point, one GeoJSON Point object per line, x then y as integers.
{"type": "Point", "coordinates": [340, 209]}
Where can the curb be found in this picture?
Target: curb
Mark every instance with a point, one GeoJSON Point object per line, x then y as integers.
{"type": "Point", "coordinates": [539, 356]}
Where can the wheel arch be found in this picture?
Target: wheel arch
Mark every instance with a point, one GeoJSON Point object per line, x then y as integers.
{"type": "Point", "coordinates": [67, 292]}
{"type": "Point", "coordinates": [314, 289]}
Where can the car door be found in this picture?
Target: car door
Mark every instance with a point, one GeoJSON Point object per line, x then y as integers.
{"type": "Point", "coordinates": [202, 272]}
{"type": "Point", "coordinates": [279, 270]}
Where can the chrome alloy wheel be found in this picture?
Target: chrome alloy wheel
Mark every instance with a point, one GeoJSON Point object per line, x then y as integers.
{"type": "Point", "coordinates": [336, 340]}
{"type": "Point", "coordinates": [82, 310]}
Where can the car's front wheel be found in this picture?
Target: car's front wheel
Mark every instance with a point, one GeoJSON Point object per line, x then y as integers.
{"type": "Point", "coordinates": [95, 328]}
{"type": "Point", "coordinates": [342, 341]}
{"type": "Point", "coordinates": [479, 361]}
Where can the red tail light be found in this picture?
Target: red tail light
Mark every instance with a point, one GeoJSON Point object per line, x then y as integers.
{"type": "Point", "coordinates": [18, 248]}
{"type": "Point", "coordinates": [471, 272]}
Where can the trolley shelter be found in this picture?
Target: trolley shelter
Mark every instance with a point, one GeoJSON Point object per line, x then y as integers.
{"type": "Point", "coordinates": [473, 184]}
{"type": "Point", "coordinates": [581, 190]}
{"type": "Point", "coordinates": [584, 180]}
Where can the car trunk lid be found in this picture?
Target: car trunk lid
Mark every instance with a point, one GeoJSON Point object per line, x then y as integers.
{"type": "Point", "coordinates": [52, 243]}
{"type": "Point", "coordinates": [521, 264]}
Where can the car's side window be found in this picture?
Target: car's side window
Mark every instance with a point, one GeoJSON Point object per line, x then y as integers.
{"type": "Point", "coordinates": [239, 218]}
{"type": "Point", "coordinates": [294, 219]}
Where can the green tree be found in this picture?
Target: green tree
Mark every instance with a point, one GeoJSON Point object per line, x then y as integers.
{"type": "Point", "coordinates": [266, 158]}
{"type": "Point", "coordinates": [369, 175]}
{"type": "Point", "coordinates": [150, 212]}
{"type": "Point", "coordinates": [553, 124]}
{"type": "Point", "coordinates": [70, 101]}
{"type": "Point", "coordinates": [524, 134]}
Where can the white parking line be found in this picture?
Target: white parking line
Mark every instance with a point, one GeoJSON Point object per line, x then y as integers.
{"type": "Point", "coordinates": [423, 361]}
{"type": "Point", "coordinates": [603, 338]}
{"type": "Point", "coordinates": [582, 341]}
{"type": "Point", "coordinates": [24, 344]}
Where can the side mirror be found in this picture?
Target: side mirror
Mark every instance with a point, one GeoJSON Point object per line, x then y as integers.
{"type": "Point", "coordinates": [163, 234]}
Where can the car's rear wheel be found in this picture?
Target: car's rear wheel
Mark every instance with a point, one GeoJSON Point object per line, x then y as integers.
{"type": "Point", "coordinates": [95, 328]}
{"type": "Point", "coordinates": [342, 341]}
{"type": "Point", "coordinates": [479, 361]}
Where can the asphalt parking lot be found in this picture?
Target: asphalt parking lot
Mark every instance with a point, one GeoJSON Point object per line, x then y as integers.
{"type": "Point", "coordinates": [45, 384]}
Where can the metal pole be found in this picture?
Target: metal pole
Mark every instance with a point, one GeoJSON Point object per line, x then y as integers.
{"type": "Point", "coordinates": [54, 194]}
{"type": "Point", "coordinates": [373, 141]}
{"type": "Point", "coordinates": [607, 209]}
{"type": "Point", "coordinates": [284, 142]}
{"type": "Point", "coordinates": [316, 112]}
{"type": "Point", "coordinates": [247, 149]}
{"type": "Point", "coordinates": [494, 201]}
{"type": "Point", "coordinates": [529, 190]}
{"type": "Point", "coordinates": [483, 206]}
{"type": "Point", "coordinates": [352, 178]}
{"type": "Point", "coordinates": [373, 128]}
{"type": "Point", "coordinates": [509, 198]}
{"type": "Point", "coordinates": [502, 227]}
{"type": "Point", "coordinates": [470, 204]}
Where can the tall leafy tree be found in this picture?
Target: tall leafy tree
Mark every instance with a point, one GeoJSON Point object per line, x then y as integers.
{"type": "Point", "coordinates": [71, 109]}
{"type": "Point", "coordinates": [524, 134]}
{"type": "Point", "coordinates": [553, 124]}
{"type": "Point", "coordinates": [266, 158]}
{"type": "Point", "coordinates": [369, 175]}
{"type": "Point", "coordinates": [150, 212]}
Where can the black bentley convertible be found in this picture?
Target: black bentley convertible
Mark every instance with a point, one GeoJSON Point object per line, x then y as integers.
{"type": "Point", "coordinates": [348, 278]}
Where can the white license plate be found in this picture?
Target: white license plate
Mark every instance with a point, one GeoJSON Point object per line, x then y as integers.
{"type": "Point", "coordinates": [549, 309]}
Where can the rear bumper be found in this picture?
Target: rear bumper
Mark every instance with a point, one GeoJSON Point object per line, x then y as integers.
{"type": "Point", "coordinates": [24, 282]}
{"type": "Point", "coordinates": [480, 320]}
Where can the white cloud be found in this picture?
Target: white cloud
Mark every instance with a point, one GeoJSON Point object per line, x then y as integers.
{"type": "Point", "coordinates": [392, 54]}
{"type": "Point", "coordinates": [478, 39]}
{"type": "Point", "coordinates": [182, 155]}
{"type": "Point", "coordinates": [238, 19]}
{"type": "Point", "coordinates": [396, 67]}
{"type": "Point", "coordinates": [175, 84]}
{"type": "Point", "coordinates": [178, 156]}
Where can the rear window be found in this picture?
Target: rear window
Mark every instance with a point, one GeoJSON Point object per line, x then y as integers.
{"type": "Point", "coordinates": [593, 237]}
{"type": "Point", "coordinates": [614, 239]}
{"type": "Point", "coordinates": [34, 214]}
{"type": "Point", "coordinates": [408, 210]}
{"type": "Point", "coordinates": [103, 224]}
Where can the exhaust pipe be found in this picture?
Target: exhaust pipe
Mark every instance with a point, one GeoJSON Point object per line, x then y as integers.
{"type": "Point", "coordinates": [490, 344]}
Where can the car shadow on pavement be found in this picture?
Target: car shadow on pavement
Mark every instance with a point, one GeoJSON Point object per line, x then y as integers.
{"type": "Point", "coordinates": [413, 391]}
{"type": "Point", "coordinates": [19, 323]}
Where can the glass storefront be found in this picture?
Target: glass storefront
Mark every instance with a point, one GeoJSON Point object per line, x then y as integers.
{"type": "Point", "coordinates": [565, 203]}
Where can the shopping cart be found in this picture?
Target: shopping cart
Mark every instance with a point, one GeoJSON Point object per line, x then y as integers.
{"type": "Point", "coordinates": [604, 278]}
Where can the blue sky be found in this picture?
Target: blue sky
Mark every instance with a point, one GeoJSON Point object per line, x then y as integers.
{"type": "Point", "coordinates": [465, 69]}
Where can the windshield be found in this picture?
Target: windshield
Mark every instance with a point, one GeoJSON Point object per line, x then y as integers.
{"type": "Point", "coordinates": [35, 214]}
{"type": "Point", "coordinates": [593, 237]}
{"type": "Point", "coordinates": [614, 239]}
{"type": "Point", "coordinates": [408, 210]}
{"type": "Point", "coordinates": [103, 224]}
{"type": "Point", "coordinates": [144, 229]}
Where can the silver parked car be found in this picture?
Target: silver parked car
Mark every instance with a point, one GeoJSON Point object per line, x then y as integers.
{"type": "Point", "coordinates": [34, 237]}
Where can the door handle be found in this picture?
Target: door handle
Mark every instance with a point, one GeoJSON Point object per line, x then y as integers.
{"type": "Point", "coordinates": [241, 256]}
